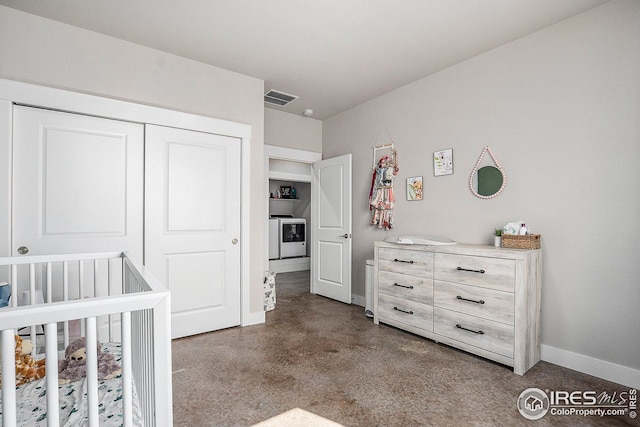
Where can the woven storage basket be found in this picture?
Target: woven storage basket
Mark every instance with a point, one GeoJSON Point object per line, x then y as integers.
{"type": "Point", "coordinates": [530, 241]}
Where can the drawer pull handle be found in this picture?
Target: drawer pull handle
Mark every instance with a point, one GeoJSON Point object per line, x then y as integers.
{"type": "Point", "coordinates": [404, 311]}
{"type": "Point", "coordinates": [473, 271]}
{"type": "Point", "coordinates": [470, 300]}
{"type": "Point", "coordinates": [403, 286]}
{"type": "Point", "coordinates": [400, 260]}
{"type": "Point", "coordinates": [479, 332]}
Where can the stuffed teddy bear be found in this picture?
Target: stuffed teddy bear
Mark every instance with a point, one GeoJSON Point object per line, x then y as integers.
{"type": "Point", "coordinates": [27, 368]}
{"type": "Point", "coordinates": [73, 367]}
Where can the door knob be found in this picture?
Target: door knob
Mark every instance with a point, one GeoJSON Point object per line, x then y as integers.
{"type": "Point", "coordinates": [347, 236]}
{"type": "Point", "coordinates": [234, 241]}
{"type": "Point", "coordinates": [23, 250]}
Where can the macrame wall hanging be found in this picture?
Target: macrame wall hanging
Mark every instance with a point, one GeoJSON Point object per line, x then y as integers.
{"type": "Point", "coordinates": [381, 198]}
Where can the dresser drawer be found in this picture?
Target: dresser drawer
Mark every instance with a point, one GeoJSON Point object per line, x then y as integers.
{"type": "Point", "coordinates": [486, 334]}
{"type": "Point", "coordinates": [409, 312]}
{"type": "Point", "coordinates": [416, 263]}
{"type": "Point", "coordinates": [413, 288]}
{"type": "Point", "coordinates": [476, 301]}
{"type": "Point", "coordinates": [493, 273]}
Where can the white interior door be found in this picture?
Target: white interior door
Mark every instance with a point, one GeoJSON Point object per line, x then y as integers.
{"type": "Point", "coordinates": [192, 225]}
{"type": "Point", "coordinates": [331, 233]}
{"type": "Point", "coordinates": [77, 183]}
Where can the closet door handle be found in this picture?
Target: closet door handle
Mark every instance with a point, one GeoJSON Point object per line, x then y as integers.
{"type": "Point", "coordinates": [472, 271]}
{"type": "Point", "coordinates": [347, 236]}
{"type": "Point", "coordinates": [470, 300]}
{"type": "Point", "coordinates": [403, 311]}
{"type": "Point", "coordinates": [479, 332]}
{"type": "Point", "coordinates": [403, 286]}
{"type": "Point", "coordinates": [400, 260]}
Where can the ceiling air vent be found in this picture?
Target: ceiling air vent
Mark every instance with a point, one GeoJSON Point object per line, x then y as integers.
{"type": "Point", "coordinates": [280, 99]}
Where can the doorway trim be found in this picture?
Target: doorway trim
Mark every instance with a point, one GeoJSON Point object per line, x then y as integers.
{"type": "Point", "coordinates": [14, 92]}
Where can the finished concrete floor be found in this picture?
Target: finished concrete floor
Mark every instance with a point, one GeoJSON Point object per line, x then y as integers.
{"type": "Point", "coordinates": [328, 358]}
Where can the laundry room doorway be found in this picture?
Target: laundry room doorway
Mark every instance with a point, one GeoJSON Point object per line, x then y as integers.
{"type": "Point", "coordinates": [294, 195]}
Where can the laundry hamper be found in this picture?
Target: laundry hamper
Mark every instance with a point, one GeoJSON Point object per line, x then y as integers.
{"type": "Point", "coordinates": [269, 290]}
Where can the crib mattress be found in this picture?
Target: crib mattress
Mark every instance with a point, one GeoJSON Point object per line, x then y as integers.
{"type": "Point", "coordinates": [32, 401]}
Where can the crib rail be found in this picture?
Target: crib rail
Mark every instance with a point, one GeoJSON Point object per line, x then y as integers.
{"type": "Point", "coordinates": [138, 304]}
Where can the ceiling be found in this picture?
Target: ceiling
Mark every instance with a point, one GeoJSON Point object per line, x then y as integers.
{"type": "Point", "coordinates": [333, 54]}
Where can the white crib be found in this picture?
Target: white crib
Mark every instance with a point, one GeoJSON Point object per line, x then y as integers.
{"type": "Point", "coordinates": [101, 296]}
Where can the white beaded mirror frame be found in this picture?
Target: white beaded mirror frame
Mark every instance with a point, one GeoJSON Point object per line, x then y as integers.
{"type": "Point", "coordinates": [473, 178]}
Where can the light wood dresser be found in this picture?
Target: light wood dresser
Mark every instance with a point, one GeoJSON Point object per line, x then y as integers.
{"type": "Point", "coordinates": [480, 299]}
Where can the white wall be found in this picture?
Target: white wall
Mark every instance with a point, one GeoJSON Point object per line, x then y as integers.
{"type": "Point", "coordinates": [42, 51]}
{"type": "Point", "coordinates": [560, 109]}
{"type": "Point", "coordinates": [292, 131]}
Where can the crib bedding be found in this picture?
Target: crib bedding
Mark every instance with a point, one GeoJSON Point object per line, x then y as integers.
{"type": "Point", "coordinates": [32, 401]}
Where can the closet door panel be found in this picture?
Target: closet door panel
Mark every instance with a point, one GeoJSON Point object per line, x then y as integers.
{"type": "Point", "coordinates": [192, 225]}
{"type": "Point", "coordinates": [194, 187]}
{"type": "Point", "coordinates": [78, 183]}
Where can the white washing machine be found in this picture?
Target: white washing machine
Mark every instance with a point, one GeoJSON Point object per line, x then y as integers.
{"type": "Point", "coordinates": [293, 237]}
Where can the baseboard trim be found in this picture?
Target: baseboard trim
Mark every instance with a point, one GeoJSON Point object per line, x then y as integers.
{"type": "Point", "coordinates": [357, 300]}
{"type": "Point", "coordinates": [589, 365]}
{"type": "Point", "coordinates": [288, 265]}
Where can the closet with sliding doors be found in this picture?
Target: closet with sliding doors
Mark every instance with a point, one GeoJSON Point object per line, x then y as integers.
{"type": "Point", "coordinates": [81, 173]}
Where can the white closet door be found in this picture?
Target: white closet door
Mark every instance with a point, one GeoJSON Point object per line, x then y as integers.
{"type": "Point", "coordinates": [77, 183]}
{"type": "Point", "coordinates": [192, 225]}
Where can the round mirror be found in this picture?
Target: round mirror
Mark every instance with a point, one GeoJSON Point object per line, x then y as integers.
{"type": "Point", "coordinates": [488, 181]}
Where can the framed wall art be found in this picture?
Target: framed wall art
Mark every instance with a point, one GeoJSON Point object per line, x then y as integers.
{"type": "Point", "coordinates": [414, 188]}
{"type": "Point", "coordinates": [285, 192]}
{"type": "Point", "coordinates": [443, 162]}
